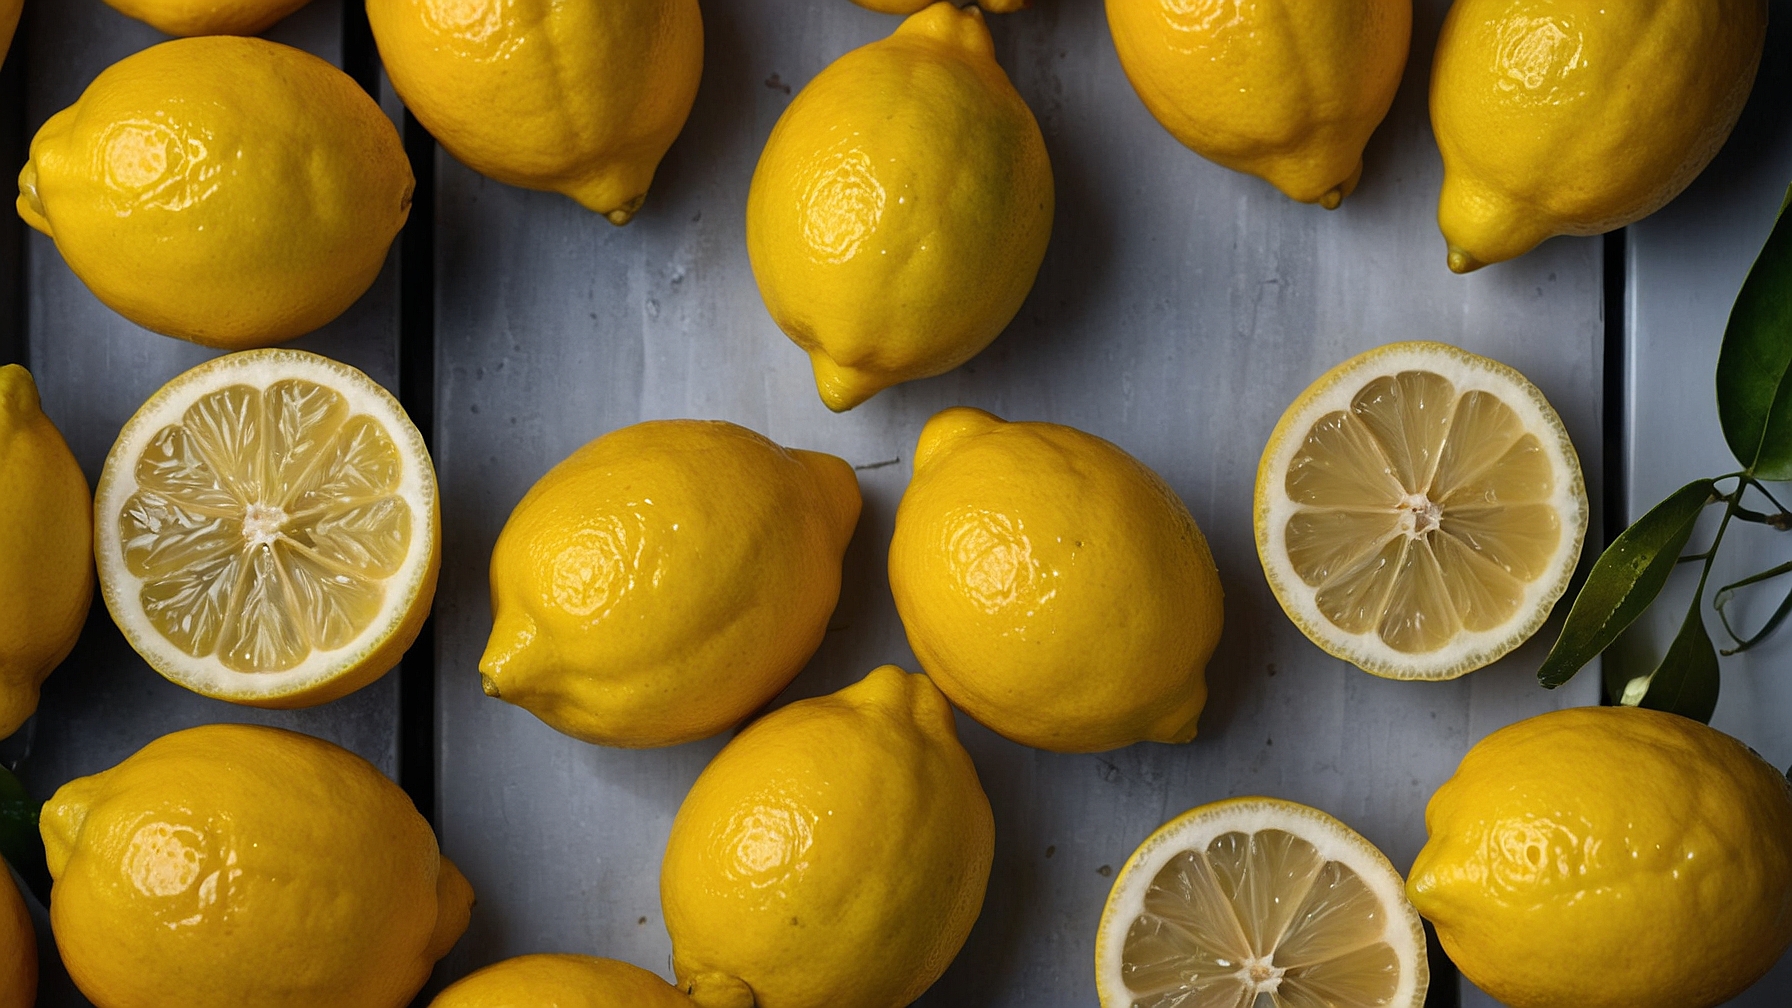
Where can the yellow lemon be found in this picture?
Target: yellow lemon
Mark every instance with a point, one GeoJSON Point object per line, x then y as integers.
{"type": "Point", "coordinates": [580, 97]}
{"type": "Point", "coordinates": [208, 17]}
{"type": "Point", "coordinates": [666, 580]}
{"type": "Point", "coordinates": [268, 529]}
{"type": "Point", "coordinates": [1580, 116]}
{"type": "Point", "coordinates": [233, 865]}
{"type": "Point", "coordinates": [1609, 857]}
{"type": "Point", "coordinates": [46, 547]}
{"type": "Point", "coordinates": [901, 208]}
{"type": "Point", "coordinates": [228, 191]}
{"type": "Point", "coordinates": [18, 948]}
{"type": "Point", "coordinates": [834, 855]}
{"type": "Point", "coordinates": [1053, 586]}
{"type": "Point", "coordinates": [1259, 903]}
{"type": "Point", "coordinates": [561, 981]}
{"type": "Point", "coordinates": [1286, 90]}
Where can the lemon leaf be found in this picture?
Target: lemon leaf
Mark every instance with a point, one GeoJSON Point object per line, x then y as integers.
{"type": "Point", "coordinates": [1627, 577]}
{"type": "Point", "coordinates": [1754, 366]}
{"type": "Point", "coordinates": [1686, 681]}
{"type": "Point", "coordinates": [20, 842]}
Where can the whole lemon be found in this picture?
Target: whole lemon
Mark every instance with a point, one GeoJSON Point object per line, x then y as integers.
{"type": "Point", "coordinates": [46, 547]}
{"type": "Point", "coordinates": [561, 981]}
{"type": "Point", "coordinates": [18, 948]}
{"type": "Point", "coordinates": [580, 97]}
{"type": "Point", "coordinates": [1580, 116]}
{"type": "Point", "coordinates": [1053, 586]}
{"type": "Point", "coordinates": [1286, 90]}
{"type": "Point", "coordinates": [834, 855]}
{"type": "Point", "coordinates": [1609, 857]}
{"type": "Point", "coordinates": [666, 580]}
{"type": "Point", "coordinates": [208, 17]}
{"type": "Point", "coordinates": [229, 191]}
{"type": "Point", "coordinates": [901, 208]}
{"type": "Point", "coordinates": [238, 866]}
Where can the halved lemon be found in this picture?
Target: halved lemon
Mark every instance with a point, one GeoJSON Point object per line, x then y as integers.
{"type": "Point", "coordinates": [1419, 510]}
{"type": "Point", "coordinates": [268, 530]}
{"type": "Point", "coordinates": [1259, 903]}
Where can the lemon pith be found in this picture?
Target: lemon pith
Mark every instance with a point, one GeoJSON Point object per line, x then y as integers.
{"type": "Point", "coordinates": [562, 981]}
{"type": "Point", "coordinates": [1419, 509]}
{"type": "Point", "coordinates": [208, 17]}
{"type": "Point", "coordinates": [268, 529]}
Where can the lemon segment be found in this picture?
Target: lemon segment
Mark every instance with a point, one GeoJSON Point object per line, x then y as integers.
{"type": "Point", "coordinates": [1256, 900]}
{"type": "Point", "coordinates": [1419, 510]}
{"type": "Point", "coordinates": [267, 529]}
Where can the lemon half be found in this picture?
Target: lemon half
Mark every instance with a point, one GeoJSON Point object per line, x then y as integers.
{"type": "Point", "coordinates": [1419, 510]}
{"type": "Point", "coordinates": [268, 531]}
{"type": "Point", "coordinates": [1259, 903]}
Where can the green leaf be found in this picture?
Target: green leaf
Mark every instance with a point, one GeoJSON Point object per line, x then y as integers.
{"type": "Point", "coordinates": [1727, 594]}
{"type": "Point", "coordinates": [1685, 683]}
{"type": "Point", "coordinates": [1628, 576]}
{"type": "Point", "coordinates": [20, 841]}
{"type": "Point", "coordinates": [1754, 388]}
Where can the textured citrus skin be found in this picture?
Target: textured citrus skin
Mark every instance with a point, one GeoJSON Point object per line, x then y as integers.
{"type": "Point", "coordinates": [580, 97]}
{"type": "Point", "coordinates": [229, 191]}
{"type": "Point", "coordinates": [228, 866]}
{"type": "Point", "coordinates": [46, 547]}
{"type": "Point", "coordinates": [834, 855]}
{"type": "Point", "coordinates": [1580, 116]}
{"type": "Point", "coordinates": [666, 581]}
{"type": "Point", "coordinates": [1286, 90]}
{"type": "Point", "coordinates": [18, 948]}
{"type": "Point", "coordinates": [1609, 857]}
{"type": "Point", "coordinates": [1053, 586]}
{"type": "Point", "coordinates": [901, 207]}
{"type": "Point", "coordinates": [561, 981]}
{"type": "Point", "coordinates": [208, 17]}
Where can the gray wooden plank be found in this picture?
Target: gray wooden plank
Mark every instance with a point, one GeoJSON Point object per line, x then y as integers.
{"type": "Point", "coordinates": [1179, 310]}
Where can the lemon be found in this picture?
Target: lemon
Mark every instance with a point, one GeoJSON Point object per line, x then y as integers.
{"type": "Point", "coordinates": [228, 191]}
{"type": "Point", "coordinates": [1286, 90]}
{"type": "Point", "coordinates": [901, 207]}
{"type": "Point", "coordinates": [1259, 903]}
{"type": "Point", "coordinates": [561, 981]}
{"type": "Point", "coordinates": [9, 23]}
{"type": "Point", "coordinates": [1580, 116]}
{"type": "Point", "coordinates": [18, 948]}
{"type": "Point", "coordinates": [1609, 857]}
{"type": "Point", "coordinates": [1053, 586]}
{"type": "Point", "coordinates": [208, 17]}
{"type": "Point", "coordinates": [46, 547]}
{"type": "Point", "coordinates": [666, 580]}
{"type": "Point", "coordinates": [268, 530]}
{"type": "Point", "coordinates": [1419, 510]}
{"type": "Point", "coordinates": [834, 855]}
{"type": "Point", "coordinates": [580, 97]}
{"type": "Point", "coordinates": [233, 865]}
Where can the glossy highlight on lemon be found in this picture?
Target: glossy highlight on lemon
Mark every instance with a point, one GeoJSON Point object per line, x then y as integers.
{"type": "Point", "coordinates": [268, 529]}
{"type": "Point", "coordinates": [1419, 510]}
{"type": "Point", "coordinates": [561, 981]}
{"type": "Point", "coordinates": [228, 191]}
{"type": "Point", "coordinates": [208, 17]}
{"type": "Point", "coordinates": [231, 865]}
{"type": "Point", "coordinates": [833, 855]}
{"type": "Point", "coordinates": [1577, 117]}
{"type": "Point", "coordinates": [1609, 857]}
{"type": "Point", "coordinates": [1054, 586]}
{"type": "Point", "coordinates": [666, 580]}
{"type": "Point", "coordinates": [579, 97]}
{"type": "Point", "coordinates": [901, 207]}
{"type": "Point", "coordinates": [1286, 90]}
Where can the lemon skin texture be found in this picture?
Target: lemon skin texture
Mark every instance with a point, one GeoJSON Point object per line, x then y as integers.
{"type": "Point", "coordinates": [228, 191]}
{"type": "Point", "coordinates": [46, 547]}
{"type": "Point", "coordinates": [901, 207]}
{"type": "Point", "coordinates": [1577, 117]}
{"type": "Point", "coordinates": [1053, 586]}
{"type": "Point", "coordinates": [1609, 857]}
{"type": "Point", "coordinates": [238, 866]}
{"type": "Point", "coordinates": [666, 581]}
{"type": "Point", "coordinates": [561, 981]}
{"type": "Point", "coordinates": [834, 855]}
{"type": "Point", "coordinates": [18, 948]}
{"type": "Point", "coordinates": [208, 17]}
{"type": "Point", "coordinates": [580, 97]}
{"type": "Point", "coordinates": [1286, 90]}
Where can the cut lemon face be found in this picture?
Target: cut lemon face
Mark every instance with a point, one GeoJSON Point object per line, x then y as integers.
{"type": "Point", "coordinates": [267, 529]}
{"type": "Point", "coordinates": [1259, 903]}
{"type": "Point", "coordinates": [1419, 511]}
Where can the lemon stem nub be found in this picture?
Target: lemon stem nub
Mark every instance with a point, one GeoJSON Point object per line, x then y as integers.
{"type": "Point", "coordinates": [719, 990]}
